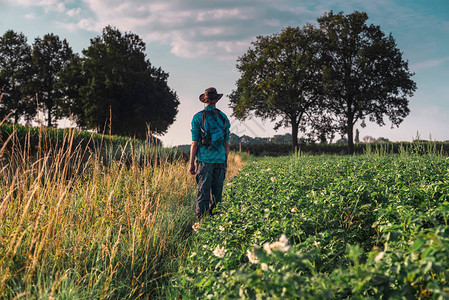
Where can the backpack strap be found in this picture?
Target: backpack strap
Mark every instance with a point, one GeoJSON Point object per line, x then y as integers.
{"type": "Point", "coordinates": [204, 116]}
{"type": "Point", "coordinates": [219, 113]}
{"type": "Point", "coordinates": [215, 112]}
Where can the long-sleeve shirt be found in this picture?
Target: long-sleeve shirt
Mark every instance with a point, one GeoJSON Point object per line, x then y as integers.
{"type": "Point", "coordinates": [210, 154]}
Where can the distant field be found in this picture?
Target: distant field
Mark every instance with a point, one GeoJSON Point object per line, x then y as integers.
{"type": "Point", "coordinates": [280, 149]}
{"type": "Point", "coordinates": [372, 226]}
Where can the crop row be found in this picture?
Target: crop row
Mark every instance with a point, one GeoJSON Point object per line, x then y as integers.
{"type": "Point", "coordinates": [326, 226]}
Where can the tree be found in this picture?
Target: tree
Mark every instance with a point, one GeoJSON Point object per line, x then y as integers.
{"type": "Point", "coordinates": [71, 80]}
{"type": "Point", "coordinates": [364, 75]}
{"type": "Point", "coordinates": [382, 140]}
{"type": "Point", "coordinates": [342, 140]}
{"type": "Point", "coordinates": [320, 126]}
{"type": "Point", "coordinates": [123, 90]}
{"type": "Point", "coordinates": [368, 139]}
{"type": "Point", "coordinates": [284, 138]}
{"type": "Point", "coordinates": [278, 77]}
{"type": "Point", "coordinates": [357, 136]}
{"type": "Point", "coordinates": [50, 55]}
{"type": "Point", "coordinates": [15, 73]}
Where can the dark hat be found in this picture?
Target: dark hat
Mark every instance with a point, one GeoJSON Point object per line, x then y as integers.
{"type": "Point", "coordinates": [210, 95]}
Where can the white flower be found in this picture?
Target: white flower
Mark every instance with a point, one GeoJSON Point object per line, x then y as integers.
{"type": "Point", "coordinates": [283, 239]}
{"type": "Point", "coordinates": [219, 251]}
{"type": "Point", "coordinates": [379, 256]}
{"type": "Point", "coordinates": [264, 266]}
{"type": "Point", "coordinates": [266, 210]}
{"type": "Point", "coordinates": [294, 209]}
{"type": "Point", "coordinates": [267, 247]}
{"type": "Point", "coordinates": [252, 257]}
{"type": "Point", "coordinates": [316, 243]}
{"type": "Point", "coordinates": [221, 228]}
{"type": "Point", "coordinates": [281, 245]}
{"type": "Point", "coordinates": [273, 179]}
{"type": "Point", "coordinates": [196, 226]}
{"type": "Point", "coordinates": [269, 169]}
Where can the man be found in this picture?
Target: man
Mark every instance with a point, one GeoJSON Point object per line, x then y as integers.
{"type": "Point", "coordinates": [210, 146]}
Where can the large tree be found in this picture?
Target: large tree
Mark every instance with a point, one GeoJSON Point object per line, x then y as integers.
{"type": "Point", "coordinates": [124, 93]}
{"type": "Point", "coordinates": [278, 78]}
{"type": "Point", "coordinates": [71, 80]}
{"type": "Point", "coordinates": [364, 75]}
{"type": "Point", "coordinates": [15, 74]}
{"type": "Point", "coordinates": [50, 55]}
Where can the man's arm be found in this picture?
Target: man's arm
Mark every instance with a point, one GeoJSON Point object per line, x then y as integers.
{"type": "Point", "coordinates": [193, 150]}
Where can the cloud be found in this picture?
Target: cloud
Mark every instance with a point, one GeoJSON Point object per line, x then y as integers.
{"type": "Point", "coordinates": [217, 28]}
{"type": "Point", "coordinates": [58, 6]}
{"type": "Point", "coordinates": [222, 29]}
{"type": "Point", "coordinates": [74, 12]}
{"type": "Point", "coordinates": [429, 64]}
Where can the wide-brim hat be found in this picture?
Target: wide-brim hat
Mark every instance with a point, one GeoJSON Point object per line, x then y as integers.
{"type": "Point", "coordinates": [210, 95]}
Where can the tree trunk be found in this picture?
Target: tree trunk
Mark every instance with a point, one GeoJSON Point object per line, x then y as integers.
{"type": "Point", "coordinates": [48, 117]}
{"type": "Point", "coordinates": [350, 136]}
{"type": "Point", "coordinates": [295, 135]}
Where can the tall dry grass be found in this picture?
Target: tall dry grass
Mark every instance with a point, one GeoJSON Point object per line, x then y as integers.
{"type": "Point", "coordinates": [73, 228]}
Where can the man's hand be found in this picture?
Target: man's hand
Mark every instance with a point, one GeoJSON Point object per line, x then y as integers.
{"type": "Point", "coordinates": [193, 150]}
{"type": "Point", "coordinates": [192, 169]}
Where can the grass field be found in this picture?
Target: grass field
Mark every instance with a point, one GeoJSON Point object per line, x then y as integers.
{"type": "Point", "coordinates": [371, 226]}
{"type": "Point", "coordinates": [80, 224]}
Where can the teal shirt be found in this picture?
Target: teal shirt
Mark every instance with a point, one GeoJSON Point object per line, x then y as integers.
{"type": "Point", "coordinates": [205, 154]}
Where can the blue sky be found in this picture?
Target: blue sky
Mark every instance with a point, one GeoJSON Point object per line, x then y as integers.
{"type": "Point", "coordinates": [198, 42]}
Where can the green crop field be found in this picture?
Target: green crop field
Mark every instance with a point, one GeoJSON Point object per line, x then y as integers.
{"type": "Point", "coordinates": [369, 226]}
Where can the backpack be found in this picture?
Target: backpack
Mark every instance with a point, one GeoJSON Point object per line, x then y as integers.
{"type": "Point", "coordinates": [215, 135]}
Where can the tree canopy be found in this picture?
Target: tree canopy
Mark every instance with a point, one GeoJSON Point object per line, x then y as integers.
{"type": "Point", "coordinates": [71, 80]}
{"type": "Point", "coordinates": [50, 56]}
{"type": "Point", "coordinates": [112, 86]}
{"type": "Point", "coordinates": [278, 78]}
{"type": "Point", "coordinates": [364, 75]}
{"type": "Point", "coordinates": [123, 90]}
{"type": "Point", "coordinates": [336, 74]}
{"type": "Point", "coordinates": [15, 75]}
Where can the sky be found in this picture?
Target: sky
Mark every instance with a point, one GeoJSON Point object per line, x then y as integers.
{"type": "Point", "coordinates": [198, 43]}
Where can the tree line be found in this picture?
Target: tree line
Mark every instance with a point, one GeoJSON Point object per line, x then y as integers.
{"type": "Point", "coordinates": [112, 87]}
{"type": "Point", "coordinates": [322, 79]}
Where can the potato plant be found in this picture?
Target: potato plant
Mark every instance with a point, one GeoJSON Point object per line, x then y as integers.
{"type": "Point", "coordinates": [371, 226]}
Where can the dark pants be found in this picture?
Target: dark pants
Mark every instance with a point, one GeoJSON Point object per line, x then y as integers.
{"type": "Point", "coordinates": [209, 179]}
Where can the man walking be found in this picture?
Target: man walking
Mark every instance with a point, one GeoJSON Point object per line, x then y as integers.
{"type": "Point", "coordinates": [210, 146]}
